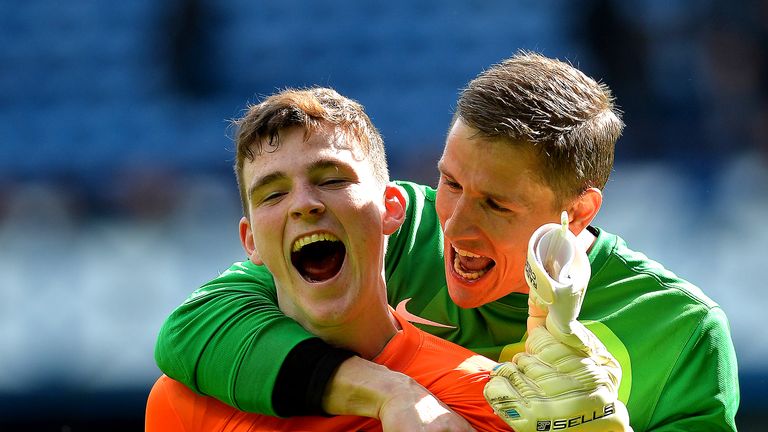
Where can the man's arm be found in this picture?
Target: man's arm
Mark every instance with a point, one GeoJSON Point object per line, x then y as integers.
{"type": "Point", "coordinates": [368, 389]}
{"type": "Point", "coordinates": [229, 339]}
{"type": "Point", "coordinates": [702, 391]}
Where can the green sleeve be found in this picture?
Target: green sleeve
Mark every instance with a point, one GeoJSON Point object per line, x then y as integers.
{"type": "Point", "coordinates": [702, 391]}
{"type": "Point", "coordinates": [229, 339]}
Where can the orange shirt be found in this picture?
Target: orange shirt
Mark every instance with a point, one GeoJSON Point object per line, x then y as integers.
{"type": "Point", "coordinates": [454, 374]}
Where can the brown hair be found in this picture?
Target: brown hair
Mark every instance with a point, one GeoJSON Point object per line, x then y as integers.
{"type": "Point", "coordinates": [566, 117]}
{"type": "Point", "coordinates": [259, 129]}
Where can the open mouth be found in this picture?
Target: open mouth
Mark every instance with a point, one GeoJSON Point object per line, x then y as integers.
{"type": "Point", "coordinates": [318, 257]}
{"type": "Point", "coordinates": [470, 266]}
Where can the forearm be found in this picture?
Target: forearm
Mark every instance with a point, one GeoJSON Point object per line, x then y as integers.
{"type": "Point", "coordinates": [231, 356]}
{"type": "Point", "coordinates": [304, 376]}
{"type": "Point", "coordinates": [229, 341]}
{"type": "Point", "coordinates": [363, 388]}
{"type": "Point", "coordinates": [360, 387]}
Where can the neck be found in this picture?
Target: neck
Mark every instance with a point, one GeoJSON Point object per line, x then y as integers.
{"type": "Point", "coordinates": [365, 328]}
{"type": "Point", "coordinates": [366, 334]}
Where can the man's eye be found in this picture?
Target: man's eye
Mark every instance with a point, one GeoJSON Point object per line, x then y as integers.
{"type": "Point", "coordinates": [451, 184]}
{"type": "Point", "coordinates": [272, 197]}
{"type": "Point", "coordinates": [495, 206]}
{"type": "Point", "coordinates": [334, 182]}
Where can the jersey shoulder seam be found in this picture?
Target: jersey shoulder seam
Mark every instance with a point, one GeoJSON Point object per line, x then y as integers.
{"type": "Point", "coordinates": [704, 302]}
{"type": "Point", "coordinates": [678, 357]}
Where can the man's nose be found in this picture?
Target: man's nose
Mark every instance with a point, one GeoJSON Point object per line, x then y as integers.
{"type": "Point", "coordinates": [462, 220]}
{"type": "Point", "coordinates": [306, 203]}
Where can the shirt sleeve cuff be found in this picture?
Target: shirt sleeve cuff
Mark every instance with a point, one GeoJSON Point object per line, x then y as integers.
{"type": "Point", "coordinates": [303, 377]}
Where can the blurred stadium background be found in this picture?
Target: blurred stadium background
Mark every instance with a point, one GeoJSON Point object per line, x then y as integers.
{"type": "Point", "coordinates": [117, 198]}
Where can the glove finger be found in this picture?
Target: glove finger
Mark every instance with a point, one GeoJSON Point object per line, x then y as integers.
{"type": "Point", "coordinates": [583, 340]}
{"type": "Point", "coordinates": [543, 344]}
{"type": "Point", "coordinates": [552, 381]}
{"type": "Point", "coordinates": [565, 358]}
{"type": "Point", "coordinates": [532, 367]}
{"type": "Point", "coordinates": [505, 400]}
{"type": "Point", "coordinates": [574, 334]}
{"type": "Point", "coordinates": [506, 370]}
{"type": "Point", "coordinates": [511, 373]}
{"type": "Point", "coordinates": [556, 367]}
{"type": "Point", "coordinates": [499, 390]}
{"type": "Point", "coordinates": [558, 359]}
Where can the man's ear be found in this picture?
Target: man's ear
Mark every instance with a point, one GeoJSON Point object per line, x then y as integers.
{"type": "Point", "coordinates": [246, 239]}
{"type": "Point", "coordinates": [583, 209]}
{"type": "Point", "coordinates": [394, 208]}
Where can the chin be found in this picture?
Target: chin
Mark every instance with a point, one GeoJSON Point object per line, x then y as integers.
{"type": "Point", "coordinates": [465, 298]}
{"type": "Point", "coordinates": [468, 294]}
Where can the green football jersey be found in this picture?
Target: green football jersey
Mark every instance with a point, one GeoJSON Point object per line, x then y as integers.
{"type": "Point", "coordinates": [673, 343]}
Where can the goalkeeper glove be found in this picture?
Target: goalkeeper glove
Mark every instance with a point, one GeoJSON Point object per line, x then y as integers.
{"type": "Point", "coordinates": [566, 380]}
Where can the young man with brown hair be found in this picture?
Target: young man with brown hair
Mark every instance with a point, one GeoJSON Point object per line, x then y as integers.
{"type": "Point", "coordinates": [318, 207]}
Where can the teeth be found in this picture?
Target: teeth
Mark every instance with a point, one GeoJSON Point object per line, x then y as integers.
{"type": "Point", "coordinates": [472, 275]}
{"type": "Point", "coordinates": [303, 241]}
{"type": "Point", "coordinates": [465, 253]}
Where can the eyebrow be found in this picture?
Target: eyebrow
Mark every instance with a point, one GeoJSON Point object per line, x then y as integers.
{"type": "Point", "coordinates": [267, 179]}
{"type": "Point", "coordinates": [515, 201]}
{"type": "Point", "coordinates": [323, 164]}
{"type": "Point", "coordinates": [440, 165]}
{"type": "Point", "coordinates": [319, 165]}
{"type": "Point", "coordinates": [512, 200]}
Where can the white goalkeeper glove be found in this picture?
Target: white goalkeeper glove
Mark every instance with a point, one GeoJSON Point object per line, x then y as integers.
{"type": "Point", "coordinates": [566, 380]}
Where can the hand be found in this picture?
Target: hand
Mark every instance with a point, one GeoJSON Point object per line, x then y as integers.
{"type": "Point", "coordinates": [566, 379]}
{"type": "Point", "coordinates": [416, 409]}
{"type": "Point", "coordinates": [553, 386]}
{"type": "Point", "coordinates": [363, 388]}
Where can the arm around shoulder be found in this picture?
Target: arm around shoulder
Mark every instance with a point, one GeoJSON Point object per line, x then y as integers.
{"type": "Point", "coordinates": [229, 339]}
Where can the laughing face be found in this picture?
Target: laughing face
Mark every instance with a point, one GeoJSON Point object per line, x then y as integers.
{"type": "Point", "coordinates": [489, 201]}
{"type": "Point", "coordinates": [317, 219]}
